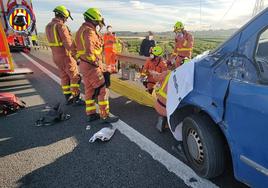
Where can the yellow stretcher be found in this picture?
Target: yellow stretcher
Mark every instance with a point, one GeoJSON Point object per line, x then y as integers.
{"type": "Point", "coordinates": [132, 91]}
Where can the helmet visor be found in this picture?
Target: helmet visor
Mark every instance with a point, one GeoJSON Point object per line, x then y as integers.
{"type": "Point", "coordinates": [102, 23]}
{"type": "Point", "coordinates": [70, 15]}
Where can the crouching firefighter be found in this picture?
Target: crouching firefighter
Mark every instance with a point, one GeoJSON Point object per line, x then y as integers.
{"type": "Point", "coordinates": [156, 64]}
{"type": "Point", "coordinates": [161, 99]}
{"type": "Point", "coordinates": [63, 49]}
{"type": "Point", "coordinates": [89, 50]}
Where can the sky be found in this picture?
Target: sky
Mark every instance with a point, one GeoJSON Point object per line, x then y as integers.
{"type": "Point", "coordinates": [152, 15]}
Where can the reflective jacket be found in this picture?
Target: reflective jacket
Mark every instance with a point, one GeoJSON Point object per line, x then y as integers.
{"type": "Point", "coordinates": [153, 65]}
{"type": "Point", "coordinates": [60, 38]}
{"type": "Point", "coordinates": [161, 92]}
{"type": "Point", "coordinates": [109, 41]}
{"type": "Point", "coordinates": [184, 45]}
{"type": "Point", "coordinates": [89, 44]}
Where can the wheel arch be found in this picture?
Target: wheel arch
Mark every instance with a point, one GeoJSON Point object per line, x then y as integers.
{"type": "Point", "coordinates": [181, 113]}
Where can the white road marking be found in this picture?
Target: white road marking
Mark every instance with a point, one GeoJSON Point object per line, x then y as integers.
{"type": "Point", "coordinates": [159, 154]}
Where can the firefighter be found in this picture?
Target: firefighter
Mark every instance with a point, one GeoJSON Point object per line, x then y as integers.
{"type": "Point", "coordinates": [160, 89]}
{"type": "Point", "coordinates": [63, 49]}
{"type": "Point", "coordinates": [155, 63]}
{"type": "Point", "coordinates": [110, 55]}
{"type": "Point", "coordinates": [89, 50]}
{"type": "Point", "coordinates": [183, 46]}
{"type": "Point", "coordinates": [182, 53]}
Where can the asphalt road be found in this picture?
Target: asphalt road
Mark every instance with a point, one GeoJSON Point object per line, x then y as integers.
{"type": "Point", "coordinates": [61, 156]}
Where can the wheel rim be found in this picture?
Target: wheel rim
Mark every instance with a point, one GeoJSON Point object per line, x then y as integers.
{"type": "Point", "coordinates": [195, 146]}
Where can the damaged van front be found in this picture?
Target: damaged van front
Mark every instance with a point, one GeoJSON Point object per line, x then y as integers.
{"type": "Point", "coordinates": [223, 109]}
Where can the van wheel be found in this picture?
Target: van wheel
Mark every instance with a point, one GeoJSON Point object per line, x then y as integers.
{"type": "Point", "coordinates": [203, 145]}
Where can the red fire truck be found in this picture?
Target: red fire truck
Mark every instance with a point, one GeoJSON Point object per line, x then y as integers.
{"type": "Point", "coordinates": [18, 20]}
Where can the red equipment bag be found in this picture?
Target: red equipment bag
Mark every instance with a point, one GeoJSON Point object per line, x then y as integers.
{"type": "Point", "coordinates": [9, 103]}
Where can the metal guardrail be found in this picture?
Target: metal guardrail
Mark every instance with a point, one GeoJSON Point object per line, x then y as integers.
{"type": "Point", "coordinates": [127, 87]}
{"type": "Point", "coordinates": [132, 59]}
{"type": "Point", "coordinates": [123, 57]}
{"type": "Point", "coordinates": [42, 45]}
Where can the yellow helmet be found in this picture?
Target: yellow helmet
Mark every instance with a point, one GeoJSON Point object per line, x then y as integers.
{"type": "Point", "coordinates": [157, 51]}
{"type": "Point", "coordinates": [178, 26]}
{"type": "Point", "coordinates": [93, 14]}
{"type": "Point", "coordinates": [62, 10]}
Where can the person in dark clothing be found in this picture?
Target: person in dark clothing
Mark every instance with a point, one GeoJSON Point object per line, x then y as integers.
{"type": "Point", "coordinates": [146, 45]}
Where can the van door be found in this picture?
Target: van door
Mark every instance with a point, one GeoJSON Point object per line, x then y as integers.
{"type": "Point", "coordinates": [247, 114]}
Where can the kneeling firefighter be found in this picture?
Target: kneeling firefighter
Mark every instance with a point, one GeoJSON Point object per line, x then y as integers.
{"type": "Point", "coordinates": [89, 50]}
{"type": "Point", "coordinates": [154, 64]}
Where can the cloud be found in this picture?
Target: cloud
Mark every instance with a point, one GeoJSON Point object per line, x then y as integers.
{"type": "Point", "coordinates": [137, 5]}
{"type": "Point", "coordinates": [159, 15]}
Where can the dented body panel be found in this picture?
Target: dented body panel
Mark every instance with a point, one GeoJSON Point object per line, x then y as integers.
{"type": "Point", "coordinates": [230, 85]}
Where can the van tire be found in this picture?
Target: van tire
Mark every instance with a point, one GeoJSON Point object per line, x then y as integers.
{"type": "Point", "coordinates": [203, 145]}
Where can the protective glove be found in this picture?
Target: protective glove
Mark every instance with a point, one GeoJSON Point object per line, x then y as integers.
{"type": "Point", "coordinates": [143, 79]}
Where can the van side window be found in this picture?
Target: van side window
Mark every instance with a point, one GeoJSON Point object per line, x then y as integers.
{"type": "Point", "coordinates": [261, 57]}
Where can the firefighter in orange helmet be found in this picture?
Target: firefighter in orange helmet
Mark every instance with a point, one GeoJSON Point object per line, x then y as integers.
{"type": "Point", "coordinates": [63, 49]}
{"type": "Point", "coordinates": [110, 54]}
{"type": "Point", "coordinates": [89, 50]}
{"type": "Point", "coordinates": [184, 42]}
{"type": "Point", "coordinates": [155, 63]}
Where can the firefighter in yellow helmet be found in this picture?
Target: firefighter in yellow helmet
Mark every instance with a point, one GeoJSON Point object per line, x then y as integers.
{"type": "Point", "coordinates": [155, 64]}
{"type": "Point", "coordinates": [184, 43]}
{"type": "Point", "coordinates": [89, 50]}
{"type": "Point", "coordinates": [63, 49]}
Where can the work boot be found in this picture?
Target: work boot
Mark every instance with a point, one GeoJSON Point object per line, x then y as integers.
{"type": "Point", "coordinates": [93, 117]}
{"type": "Point", "coordinates": [78, 100]}
{"type": "Point", "coordinates": [110, 119]}
{"type": "Point", "coordinates": [161, 123]}
{"type": "Point", "coordinates": [68, 99]}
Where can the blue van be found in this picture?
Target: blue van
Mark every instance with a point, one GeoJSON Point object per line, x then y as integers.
{"type": "Point", "coordinates": [226, 113]}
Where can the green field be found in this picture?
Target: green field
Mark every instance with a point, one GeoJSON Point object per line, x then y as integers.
{"type": "Point", "coordinates": [132, 45]}
{"type": "Point", "coordinates": [200, 45]}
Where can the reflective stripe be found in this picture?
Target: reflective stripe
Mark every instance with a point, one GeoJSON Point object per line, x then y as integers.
{"type": "Point", "coordinates": [90, 102]}
{"type": "Point", "coordinates": [67, 92]}
{"type": "Point", "coordinates": [83, 52]}
{"type": "Point", "coordinates": [91, 108]}
{"type": "Point", "coordinates": [75, 85]}
{"type": "Point", "coordinates": [102, 103]}
{"type": "Point", "coordinates": [56, 43]}
{"type": "Point", "coordinates": [91, 58]}
{"type": "Point", "coordinates": [66, 87]}
{"type": "Point", "coordinates": [184, 49]}
{"type": "Point", "coordinates": [79, 53]}
{"type": "Point", "coordinates": [161, 91]}
{"type": "Point", "coordinates": [98, 51]}
{"type": "Point", "coordinates": [186, 60]}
